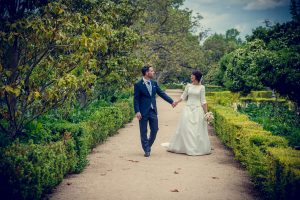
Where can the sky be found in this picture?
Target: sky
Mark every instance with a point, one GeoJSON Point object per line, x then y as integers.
{"type": "Point", "coordinates": [244, 15]}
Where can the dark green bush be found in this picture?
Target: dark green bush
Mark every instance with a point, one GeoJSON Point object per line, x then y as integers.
{"type": "Point", "coordinates": [29, 170]}
{"type": "Point", "coordinates": [174, 85]}
{"type": "Point", "coordinates": [251, 145]}
{"type": "Point", "coordinates": [276, 118]}
{"type": "Point", "coordinates": [285, 174]}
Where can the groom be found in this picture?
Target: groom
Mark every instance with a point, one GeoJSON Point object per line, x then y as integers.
{"type": "Point", "coordinates": [145, 108]}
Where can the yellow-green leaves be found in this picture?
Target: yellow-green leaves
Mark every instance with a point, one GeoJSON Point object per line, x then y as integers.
{"type": "Point", "coordinates": [12, 90]}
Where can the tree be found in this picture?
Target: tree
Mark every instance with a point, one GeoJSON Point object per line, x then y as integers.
{"type": "Point", "coordinates": [58, 51]}
{"type": "Point", "coordinates": [167, 39]}
{"type": "Point", "coordinates": [270, 58]}
{"type": "Point", "coordinates": [295, 10]}
{"type": "Point", "coordinates": [241, 67]}
{"type": "Point", "coordinates": [215, 47]}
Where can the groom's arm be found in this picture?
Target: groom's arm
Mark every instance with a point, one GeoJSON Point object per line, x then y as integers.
{"type": "Point", "coordinates": [163, 95]}
{"type": "Point", "coordinates": [136, 99]}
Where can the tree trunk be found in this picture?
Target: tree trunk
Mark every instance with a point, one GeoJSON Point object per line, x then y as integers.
{"type": "Point", "coordinates": [82, 98]}
{"type": "Point", "coordinates": [11, 101]}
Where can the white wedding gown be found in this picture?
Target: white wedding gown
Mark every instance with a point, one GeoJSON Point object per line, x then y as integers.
{"type": "Point", "coordinates": [191, 136]}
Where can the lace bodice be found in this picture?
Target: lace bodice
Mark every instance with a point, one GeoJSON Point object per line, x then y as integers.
{"type": "Point", "coordinates": [194, 94]}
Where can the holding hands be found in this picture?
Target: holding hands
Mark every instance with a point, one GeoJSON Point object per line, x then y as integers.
{"type": "Point", "coordinates": [174, 104]}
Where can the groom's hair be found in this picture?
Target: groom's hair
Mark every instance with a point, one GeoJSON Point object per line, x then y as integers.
{"type": "Point", "coordinates": [197, 74]}
{"type": "Point", "coordinates": [145, 69]}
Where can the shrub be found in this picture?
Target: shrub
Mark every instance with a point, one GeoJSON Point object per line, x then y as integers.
{"type": "Point", "coordinates": [285, 172]}
{"type": "Point", "coordinates": [28, 170]}
{"type": "Point", "coordinates": [250, 144]}
{"type": "Point", "coordinates": [214, 88]}
{"type": "Point", "coordinates": [276, 118]}
{"type": "Point", "coordinates": [174, 85]}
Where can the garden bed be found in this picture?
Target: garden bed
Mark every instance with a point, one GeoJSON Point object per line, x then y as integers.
{"type": "Point", "coordinates": [272, 164]}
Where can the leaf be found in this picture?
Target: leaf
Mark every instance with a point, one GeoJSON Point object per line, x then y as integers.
{"type": "Point", "coordinates": [60, 11]}
{"type": "Point", "coordinates": [37, 94]}
{"type": "Point", "coordinates": [134, 161]}
{"type": "Point", "coordinates": [12, 90]}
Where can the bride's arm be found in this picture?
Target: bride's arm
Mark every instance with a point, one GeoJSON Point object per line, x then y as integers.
{"type": "Point", "coordinates": [203, 99]}
{"type": "Point", "coordinates": [184, 95]}
{"type": "Point", "coordinates": [178, 101]}
{"type": "Point", "coordinates": [204, 106]}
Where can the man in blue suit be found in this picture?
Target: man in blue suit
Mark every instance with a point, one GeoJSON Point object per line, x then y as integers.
{"type": "Point", "coordinates": [145, 91]}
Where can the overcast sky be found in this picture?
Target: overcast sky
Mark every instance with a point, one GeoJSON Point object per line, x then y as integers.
{"type": "Point", "coordinates": [244, 15]}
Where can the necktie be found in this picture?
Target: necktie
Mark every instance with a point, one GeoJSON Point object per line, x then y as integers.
{"type": "Point", "coordinates": [149, 87]}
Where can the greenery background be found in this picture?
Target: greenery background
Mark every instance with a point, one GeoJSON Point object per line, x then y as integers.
{"type": "Point", "coordinates": [64, 65]}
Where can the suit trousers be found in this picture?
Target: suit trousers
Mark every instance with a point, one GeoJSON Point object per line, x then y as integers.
{"type": "Point", "coordinates": [151, 117]}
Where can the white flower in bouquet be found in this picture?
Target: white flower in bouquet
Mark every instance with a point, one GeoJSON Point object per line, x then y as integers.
{"type": "Point", "coordinates": [209, 116]}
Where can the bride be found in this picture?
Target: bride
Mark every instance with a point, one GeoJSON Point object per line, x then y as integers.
{"type": "Point", "coordinates": [191, 136]}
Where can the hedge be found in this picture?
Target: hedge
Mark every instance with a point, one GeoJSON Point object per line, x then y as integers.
{"type": "Point", "coordinates": [262, 100]}
{"type": "Point", "coordinates": [273, 166]}
{"type": "Point", "coordinates": [285, 174]}
{"type": "Point", "coordinates": [27, 171]}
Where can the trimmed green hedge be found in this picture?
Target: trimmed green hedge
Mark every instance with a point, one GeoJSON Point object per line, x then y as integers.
{"type": "Point", "coordinates": [285, 174]}
{"type": "Point", "coordinates": [256, 149]}
{"type": "Point", "coordinates": [174, 85]}
{"type": "Point", "coordinates": [214, 88]}
{"type": "Point", "coordinates": [27, 171]}
{"type": "Point", "coordinates": [261, 100]}
{"type": "Point", "coordinates": [227, 98]}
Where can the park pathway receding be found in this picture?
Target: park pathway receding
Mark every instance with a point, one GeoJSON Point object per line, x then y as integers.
{"type": "Point", "coordinates": [118, 170]}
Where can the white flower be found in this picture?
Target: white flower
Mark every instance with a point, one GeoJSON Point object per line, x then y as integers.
{"type": "Point", "coordinates": [209, 116]}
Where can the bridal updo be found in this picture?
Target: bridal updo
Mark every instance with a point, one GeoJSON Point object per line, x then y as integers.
{"type": "Point", "coordinates": [197, 74]}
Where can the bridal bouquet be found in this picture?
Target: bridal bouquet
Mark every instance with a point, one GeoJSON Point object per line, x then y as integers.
{"type": "Point", "coordinates": [209, 117]}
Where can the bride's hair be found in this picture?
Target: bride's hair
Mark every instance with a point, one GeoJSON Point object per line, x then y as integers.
{"type": "Point", "coordinates": [198, 75]}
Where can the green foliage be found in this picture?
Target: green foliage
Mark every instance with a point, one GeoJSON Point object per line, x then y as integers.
{"type": "Point", "coordinates": [224, 98]}
{"type": "Point", "coordinates": [174, 85]}
{"type": "Point", "coordinates": [270, 58]}
{"type": "Point", "coordinates": [215, 47]}
{"type": "Point", "coordinates": [285, 174]}
{"type": "Point", "coordinates": [276, 118]}
{"type": "Point", "coordinates": [214, 88]}
{"type": "Point", "coordinates": [168, 42]}
{"type": "Point", "coordinates": [62, 54]}
{"type": "Point", "coordinates": [273, 166]}
{"type": "Point", "coordinates": [240, 67]}
{"type": "Point", "coordinates": [29, 170]}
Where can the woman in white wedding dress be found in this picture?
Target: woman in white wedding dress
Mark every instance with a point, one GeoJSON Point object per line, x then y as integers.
{"type": "Point", "coordinates": [191, 136]}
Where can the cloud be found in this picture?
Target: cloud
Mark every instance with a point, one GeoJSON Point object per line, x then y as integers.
{"type": "Point", "coordinates": [215, 22]}
{"type": "Point", "coordinates": [243, 15]}
{"type": "Point", "coordinates": [242, 27]}
{"type": "Point", "coordinates": [265, 4]}
{"type": "Point", "coordinates": [246, 4]}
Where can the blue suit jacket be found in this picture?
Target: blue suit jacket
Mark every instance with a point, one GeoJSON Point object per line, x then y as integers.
{"type": "Point", "coordinates": [142, 98]}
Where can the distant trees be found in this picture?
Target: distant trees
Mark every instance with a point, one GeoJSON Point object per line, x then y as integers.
{"type": "Point", "coordinates": [269, 58]}
{"type": "Point", "coordinates": [214, 48]}
{"type": "Point", "coordinates": [167, 39]}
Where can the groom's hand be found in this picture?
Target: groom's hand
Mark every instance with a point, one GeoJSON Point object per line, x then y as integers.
{"type": "Point", "coordinates": [138, 115]}
{"type": "Point", "coordinates": [174, 104]}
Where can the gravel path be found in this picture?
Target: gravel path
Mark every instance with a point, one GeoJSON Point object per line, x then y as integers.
{"type": "Point", "coordinates": [118, 170]}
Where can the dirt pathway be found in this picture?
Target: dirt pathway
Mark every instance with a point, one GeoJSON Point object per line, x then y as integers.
{"type": "Point", "coordinates": [118, 170]}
